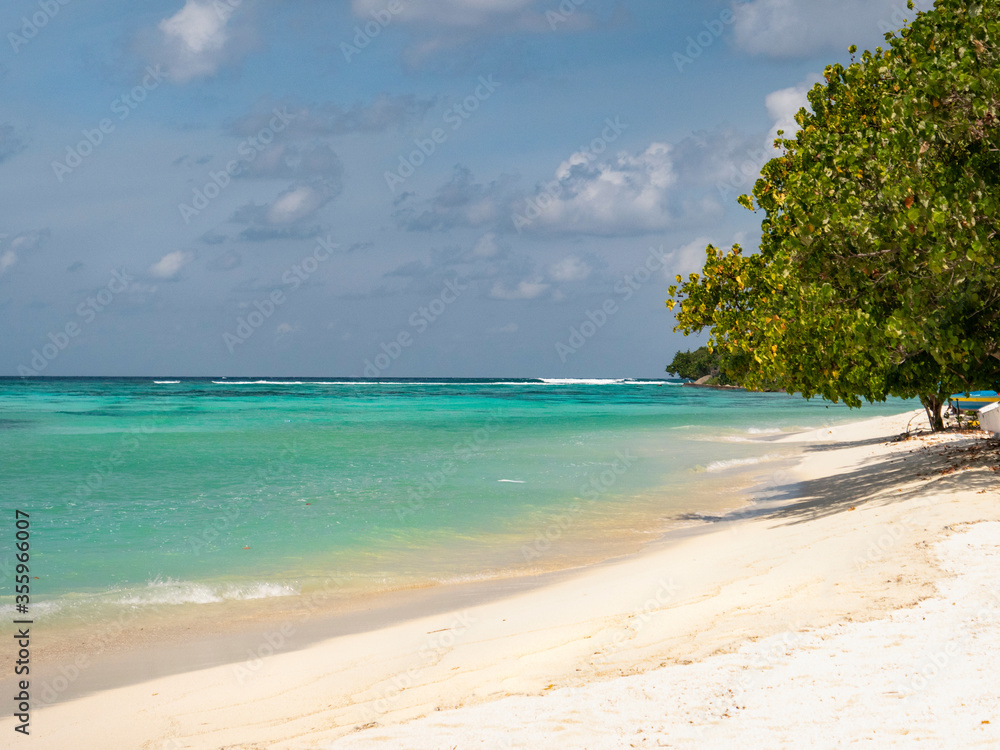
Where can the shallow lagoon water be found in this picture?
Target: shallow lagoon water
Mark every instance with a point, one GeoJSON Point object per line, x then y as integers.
{"type": "Point", "coordinates": [187, 491]}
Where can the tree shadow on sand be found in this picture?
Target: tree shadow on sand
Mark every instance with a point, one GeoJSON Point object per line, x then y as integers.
{"type": "Point", "coordinates": [968, 465]}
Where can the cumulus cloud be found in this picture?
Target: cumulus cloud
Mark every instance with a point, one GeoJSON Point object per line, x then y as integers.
{"type": "Point", "coordinates": [198, 39]}
{"type": "Point", "coordinates": [730, 160]}
{"type": "Point", "coordinates": [313, 167]}
{"type": "Point", "coordinates": [806, 28]}
{"type": "Point", "coordinates": [686, 259]}
{"type": "Point", "coordinates": [294, 161]}
{"type": "Point", "coordinates": [784, 104]}
{"type": "Point", "coordinates": [626, 194]}
{"type": "Point", "coordinates": [170, 264]}
{"type": "Point", "coordinates": [490, 266]}
{"type": "Point", "coordinates": [283, 330]}
{"type": "Point", "coordinates": [7, 259]}
{"type": "Point", "coordinates": [569, 268]}
{"type": "Point", "coordinates": [706, 157]}
{"type": "Point", "coordinates": [623, 195]}
{"type": "Point", "coordinates": [295, 204]}
{"type": "Point", "coordinates": [26, 241]}
{"type": "Point", "coordinates": [14, 247]}
{"type": "Point", "coordinates": [461, 202]}
{"type": "Point", "coordinates": [289, 215]}
{"type": "Point", "coordinates": [496, 271]}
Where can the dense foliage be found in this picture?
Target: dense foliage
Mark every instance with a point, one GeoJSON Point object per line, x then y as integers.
{"type": "Point", "coordinates": [877, 270]}
{"type": "Point", "coordinates": [698, 364]}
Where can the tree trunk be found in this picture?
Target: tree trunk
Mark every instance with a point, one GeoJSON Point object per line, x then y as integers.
{"type": "Point", "coordinates": [934, 405]}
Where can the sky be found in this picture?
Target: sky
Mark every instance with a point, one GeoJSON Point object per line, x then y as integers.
{"type": "Point", "coordinates": [384, 188]}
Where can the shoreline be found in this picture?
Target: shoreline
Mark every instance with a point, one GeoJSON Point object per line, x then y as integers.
{"type": "Point", "coordinates": [168, 639]}
{"type": "Point", "coordinates": [161, 641]}
{"type": "Point", "coordinates": [790, 563]}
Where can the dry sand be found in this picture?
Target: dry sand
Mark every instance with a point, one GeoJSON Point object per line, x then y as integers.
{"type": "Point", "coordinates": [861, 604]}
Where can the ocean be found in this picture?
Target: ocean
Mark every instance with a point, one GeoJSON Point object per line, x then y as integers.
{"type": "Point", "coordinates": [178, 492]}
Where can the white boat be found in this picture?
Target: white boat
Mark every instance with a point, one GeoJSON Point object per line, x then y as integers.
{"type": "Point", "coordinates": [989, 418]}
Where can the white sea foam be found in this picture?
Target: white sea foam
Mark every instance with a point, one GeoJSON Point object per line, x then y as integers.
{"type": "Point", "coordinates": [161, 592]}
{"type": "Point", "coordinates": [166, 382]}
{"type": "Point", "coordinates": [582, 381]}
{"type": "Point", "coordinates": [752, 435]}
{"type": "Point", "coordinates": [585, 381]}
{"type": "Point", "coordinates": [537, 381]}
{"type": "Point", "coordinates": [169, 591]}
{"type": "Point", "coordinates": [512, 481]}
{"type": "Point", "coordinates": [732, 463]}
{"type": "Point", "coordinates": [258, 382]}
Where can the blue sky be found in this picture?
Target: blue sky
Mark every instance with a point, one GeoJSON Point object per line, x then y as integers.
{"type": "Point", "coordinates": [383, 187]}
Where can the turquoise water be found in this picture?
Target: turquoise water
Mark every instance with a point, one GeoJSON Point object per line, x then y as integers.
{"type": "Point", "coordinates": [144, 491]}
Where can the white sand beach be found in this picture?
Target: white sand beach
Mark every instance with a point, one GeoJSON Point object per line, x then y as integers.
{"type": "Point", "coordinates": [860, 605]}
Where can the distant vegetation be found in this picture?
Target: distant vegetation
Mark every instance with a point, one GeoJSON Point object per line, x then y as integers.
{"type": "Point", "coordinates": [697, 365]}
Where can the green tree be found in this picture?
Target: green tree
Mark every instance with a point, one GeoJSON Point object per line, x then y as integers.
{"type": "Point", "coordinates": [877, 270]}
{"type": "Point", "coordinates": [696, 365]}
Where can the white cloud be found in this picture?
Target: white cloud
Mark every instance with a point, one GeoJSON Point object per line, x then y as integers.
{"type": "Point", "coordinates": [195, 39]}
{"type": "Point", "coordinates": [286, 216]}
{"type": "Point", "coordinates": [283, 330]}
{"type": "Point", "coordinates": [289, 160]}
{"type": "Point", "coordinates": [524, 290]}
{"type": "Point", "coordinates": [17, 247]}
{"type": "Point", "coordinates": [687, 259]}
{"type": "Point", "coordinates": [732, 160]}
{"type": "Point", "coordinates": [569, 268]}
{"type": "Point", "coordinates": [805, 28]}
{"type": "Point", "coordinates": [784, 104]}
{"type": "Point", "coordinates": [296, 204]}
{"type": "Point", "coordinates": [170, 264]}
{"type": "Point", "coordinates": [26, 241]}
{"type": "Point", "coordinates": [624, 195]}
{"type": "Point", "coordinates": [460, 202]}
{"type": "Point", "coordinates": [8, 259]}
